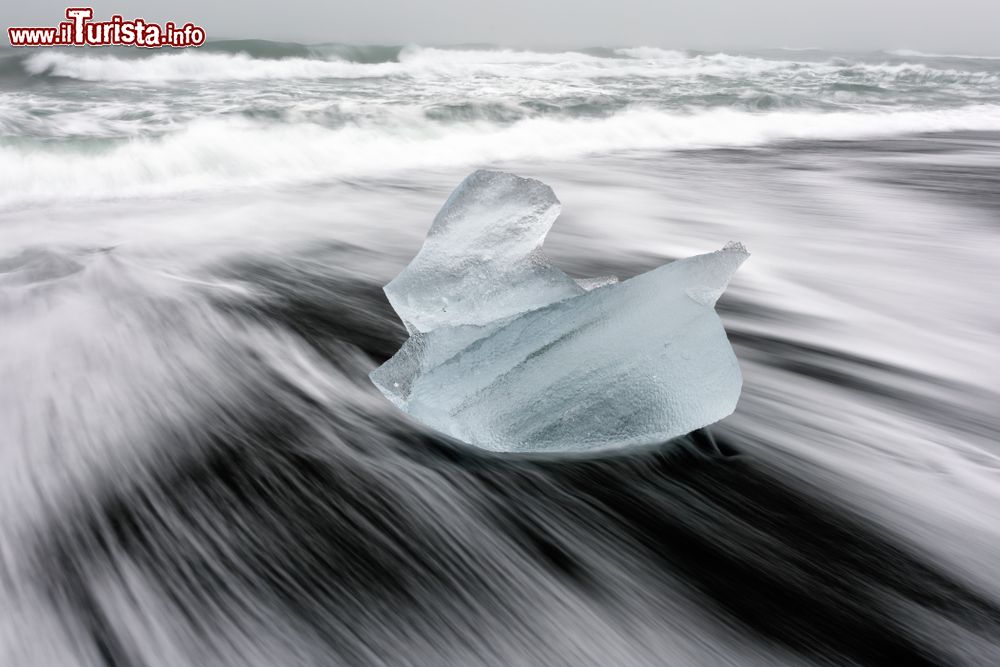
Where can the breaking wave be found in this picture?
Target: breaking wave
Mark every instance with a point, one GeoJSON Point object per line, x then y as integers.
{"type": "Point", "coordinates": [250, 60]}
{"type": "Point", "coordinates": [225, 153]}
{"type": "Point", "coordinates": [910, 53]}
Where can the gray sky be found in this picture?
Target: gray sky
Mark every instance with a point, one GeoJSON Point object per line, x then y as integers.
{"type": "Point", "coordinates": [930, 25]}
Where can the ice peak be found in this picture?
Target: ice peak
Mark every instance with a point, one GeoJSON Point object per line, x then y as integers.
{"type": "Point", "coordinates": [482, 259]}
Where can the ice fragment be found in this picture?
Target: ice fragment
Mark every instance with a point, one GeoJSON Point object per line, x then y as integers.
{"type": "Point", "coordinates": [508, 353]}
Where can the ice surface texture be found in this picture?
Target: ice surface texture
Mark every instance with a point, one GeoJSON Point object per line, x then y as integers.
{"type": "Point", "coordinates": [508, 353]}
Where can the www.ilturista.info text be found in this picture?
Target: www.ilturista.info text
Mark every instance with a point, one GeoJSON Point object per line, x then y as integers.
{"type": "Point", "coordinates": [79, 30]}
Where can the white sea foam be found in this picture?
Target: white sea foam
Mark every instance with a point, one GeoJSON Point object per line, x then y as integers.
{"type": "Point", "coordinates": [448, 65]}
{"type": "Point", "coordinates": [192, 66]}
{"type": "Point", "coordinates": [650, 53]}
{"type": "Point", "coordinates": [214, 154]}
{"type": "Point", "coordinates": [413, 62]}
{"type": "Point", "coordinates": [419, 54]}
{"type": "Point", "coordinates": [910, 53]}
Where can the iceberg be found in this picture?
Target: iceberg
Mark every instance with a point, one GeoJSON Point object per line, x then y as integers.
{"type": "Point", "coordinates": [508, 353]}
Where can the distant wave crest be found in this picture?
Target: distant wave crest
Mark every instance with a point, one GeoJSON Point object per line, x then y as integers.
{"type": "Point", "coordinates": [235, 63]}
{"type": "Point", "coordinates": [910, 53]}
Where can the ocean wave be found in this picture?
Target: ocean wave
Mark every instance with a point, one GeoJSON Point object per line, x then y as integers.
{"type": "Point", "coordinates": [424, 63]}
{"type": "Point", "coordinates": [421, 54]}
{"type": "Point", "coordinates": [328, 63]}
{"type": "Point", "coordinates": [246, 60]}
{"type": "Point", "coordinates": [651, 53]}
{"type": "Point", "coordinates": [194, 66]}
{"type": "Point", "coordinates": [226, 153]}
{"type": "Point", "coordinates": [910, 53]}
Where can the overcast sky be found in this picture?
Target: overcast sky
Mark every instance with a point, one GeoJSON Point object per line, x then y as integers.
{"type": "Point", "coordinates": [930, 25]}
